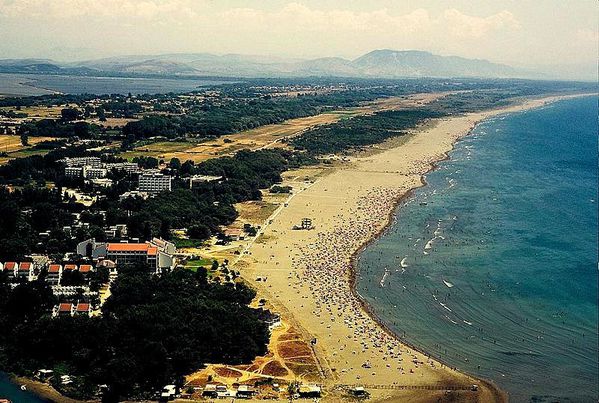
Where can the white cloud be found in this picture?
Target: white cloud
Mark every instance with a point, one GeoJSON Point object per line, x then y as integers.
{"type": "Point", "coordinates": [64, 9]}
{"type": "Point", "coordinates": [292, 16]}
{"type": "Point", "coordinates": [300, 28]}
{"type": "Point", "coordinates": [466, 26]}
{"type": "Point", "coordinates": [588, 35]}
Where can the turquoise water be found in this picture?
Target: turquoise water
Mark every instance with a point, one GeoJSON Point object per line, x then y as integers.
{"type": "Point", "coordinates": [13, 392]}
{"type": "Point", "coordinates": [499, 251]}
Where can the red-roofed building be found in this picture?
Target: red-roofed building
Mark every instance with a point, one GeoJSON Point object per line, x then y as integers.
{"type": "Point", "coordinates": [64, 308]}
{"type": "Point", "coordinates": [85, 269]}
{"type": "Point", "coordinates": [157, 255]}
{"type": "Point", "coordinates": [25, 270]}
{"type": "Point", "coordinates": [83, 308]}
{"type": "Point", "coordinates": [10, 266]}
{"type": "Point", "coordinates": [10, 269]}
{"type": "Point", "coordinates": [54, 273]}
{"type": "Point", "coordinates": [70, 267]}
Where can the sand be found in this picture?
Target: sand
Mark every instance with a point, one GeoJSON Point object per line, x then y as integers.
{"type": "Point", "coordinates": [309, 272]}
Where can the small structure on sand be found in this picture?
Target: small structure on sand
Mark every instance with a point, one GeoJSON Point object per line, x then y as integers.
{"type": "Point", "coordinates": [306, 224]}
{"type": "Point", "coordinates": [359, 392]}
{"type": "Point", "coordinates": [309, 391]}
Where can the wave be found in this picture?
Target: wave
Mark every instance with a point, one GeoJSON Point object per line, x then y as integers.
{"type": "Point", "coordinates": [385, 275]}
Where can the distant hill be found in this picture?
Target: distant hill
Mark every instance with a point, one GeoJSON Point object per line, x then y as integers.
{"type": "Point", "coordinates": [392, 63]}
{"type": "Point", "coordinates": [376, 64]}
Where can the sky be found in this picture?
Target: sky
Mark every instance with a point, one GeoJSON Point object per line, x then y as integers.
{"type": "Point", "coordinates": [521, 33]}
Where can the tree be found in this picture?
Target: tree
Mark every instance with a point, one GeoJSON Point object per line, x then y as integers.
{"type": "Point", "coordinates": [198, 231]}
{"type": "Point", "coordinates": [175, 163]}
{"type": "Point", "coordinates": [101, 114]}
{"type": "Point", "coordinates": [24, 139]}
{"type": "Point", "coordinates": [70, 114]}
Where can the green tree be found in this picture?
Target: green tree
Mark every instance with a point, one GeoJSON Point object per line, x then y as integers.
{"type": "Point", "coordinates": [70, 114]}
{"type": "Point", "coordinates": [24, 139]}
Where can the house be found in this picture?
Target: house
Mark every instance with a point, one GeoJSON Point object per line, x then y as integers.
{"type": "Point", "coordinates": [10, 268]}
{"type": "Point", "coordinates": [70, 267]}
{"type": "Point", "coordinates": [168, 392]}
{"type": "Point", "coordinates": [54, 273]}
{"type": "Point", "coordinates": [83, 308]}
{"type": "Point", "coordinates": [116, 231]}
{"type": "Point", "coordinates": [102, 182]}
{"type": "Point", "coordinates": [134, 194]}
{"type": "Point", "coordinates": [25, 271]}
{"type": "Point", "coordinates": [85, 269]}
{"type": "Point", "coordinates": [196, 180]}
{"type": "Point", "coordinates": [234, 234]}
{"type": "Point", "coordinates": [309, 391]}
{"type": "Point", "coordinates": [245, 392]}
{"type": "Point", "coordinates": [44, 374]}
{"type": "Point", "coordinates": [110, 265]}
{"type": "Point", "coordinates": [210, 391]}
{"type": "Point", "coordinates": [63, 309]}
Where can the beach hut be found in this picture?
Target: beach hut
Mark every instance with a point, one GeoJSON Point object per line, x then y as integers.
{"type": "Point", "coordinates": [309, 391]}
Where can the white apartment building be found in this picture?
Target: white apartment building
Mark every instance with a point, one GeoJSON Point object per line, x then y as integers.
{"type": "Point", "coordinates": [73, 172]}
{"type": "Point", "coordinates": [82, 161]}
{"type": "Point", "coordinates": [90, 172]}
{"type": "Point", "coordinates": [129, 167]}
{"type": "Point", "coordinates": [154, 182]}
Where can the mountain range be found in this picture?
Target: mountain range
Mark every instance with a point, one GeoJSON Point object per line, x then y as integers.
{"type": "Point", "coordinates": [376, 64]}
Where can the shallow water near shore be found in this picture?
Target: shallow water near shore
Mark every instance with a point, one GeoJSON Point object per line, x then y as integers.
{"type": "Point", "coordinates": [9, 390]}
{"type": "Point", "coordinates": [491, 267]}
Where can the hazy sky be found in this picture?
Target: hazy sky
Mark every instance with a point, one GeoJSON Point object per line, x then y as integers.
{"type": "Point", "coordinates": [517, 32]}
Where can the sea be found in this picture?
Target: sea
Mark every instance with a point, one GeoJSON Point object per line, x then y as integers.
{"type": "Point", "coordinates": [9, 390]}
{"type": "Point", "coordinates": [493, 263]}
{"type": "Point", "coordinates": [41, 84]}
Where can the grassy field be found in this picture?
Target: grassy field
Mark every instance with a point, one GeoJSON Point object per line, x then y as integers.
{"type": "Point", "coordinates": [11, 145]}
{"type": "Point", "coordinates": [159, 149]}
{"type": "Point", "coordinates": [270, 136]}
{"type": "Point", "coordinates": [39, 112]}
{"type": "Point", "coordinates": [194, 264]}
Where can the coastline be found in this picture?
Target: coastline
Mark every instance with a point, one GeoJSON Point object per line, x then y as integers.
{"type": "Point", "coordinates": [471, 120]}
{"type": "Point", "coordinates": [452, 377]}
{"type": "Point", "coordinates": [528, 104]}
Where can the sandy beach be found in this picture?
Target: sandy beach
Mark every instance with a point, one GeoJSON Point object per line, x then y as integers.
{"type": "Point", "coordinates": [309, 272]}
{"type": "Point", "coordinates": [307, 275]}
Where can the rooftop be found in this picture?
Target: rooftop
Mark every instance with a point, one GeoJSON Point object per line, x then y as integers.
{"type": "Point", "coordinates": [132, 247]}
{"type": "Point", "coordinates": [25, 266]}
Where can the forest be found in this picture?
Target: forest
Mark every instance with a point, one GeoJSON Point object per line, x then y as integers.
{"type": "Point", "coordinates": [153, 331]}
{"type": "Point", "coordinates": [360, 131]}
